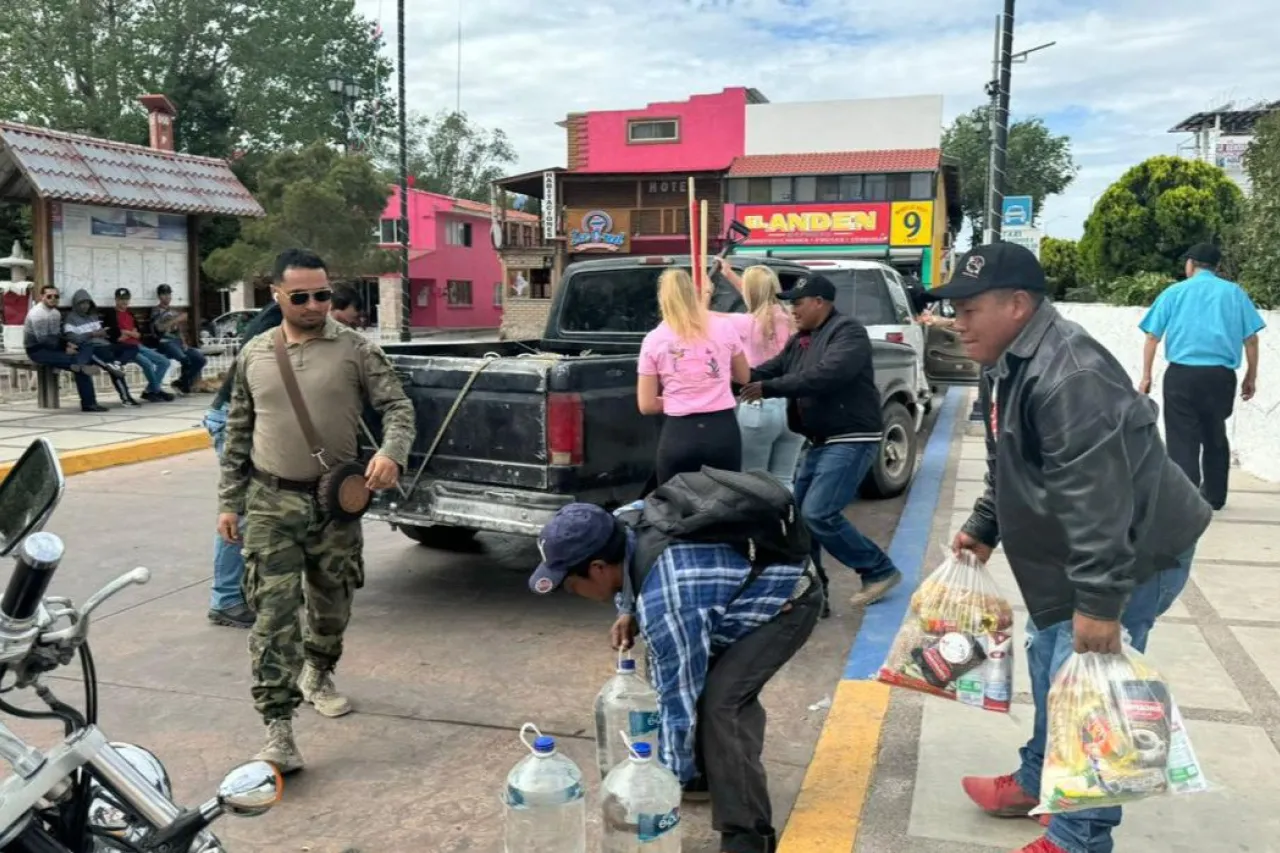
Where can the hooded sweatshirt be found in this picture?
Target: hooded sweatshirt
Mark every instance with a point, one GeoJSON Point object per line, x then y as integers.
{"type": "Point", "coordinates": [43, 328]}
{"type": "Point", "coordinates": [83, 320]}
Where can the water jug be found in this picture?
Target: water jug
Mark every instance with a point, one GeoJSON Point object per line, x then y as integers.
{"type": "Point", "coordinates": [641, 805]}
{"type": "Point", "coordinates": [545, 807]}
{"type": "Point", "coordinates": [628, 704]}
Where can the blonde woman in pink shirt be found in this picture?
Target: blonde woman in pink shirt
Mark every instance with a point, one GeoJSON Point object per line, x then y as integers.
{"type": "Point", "coordinates": [767, 442]}
{"type": "Point", "coordinates": [685, 371]}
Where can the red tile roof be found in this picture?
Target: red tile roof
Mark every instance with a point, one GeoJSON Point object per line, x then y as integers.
{"type": "Point", "coordinates": [480, 207]}
{"type": "Point", "coordinates": [70, 167]}
{"type": "Point", "coordinates": [836, 163]}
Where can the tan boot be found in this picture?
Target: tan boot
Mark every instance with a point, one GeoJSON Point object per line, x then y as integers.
{"type": "Point", "coordinates": [280, 748]}
{"type": "Point", "coordinates": [317, 688]}
{"type": "Point", "coordinates": [873, 592]}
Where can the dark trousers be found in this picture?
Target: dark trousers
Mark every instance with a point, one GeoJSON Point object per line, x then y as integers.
{"type": "Point", "coordinates": [191, 359]}
{"type": "Point", "coordinates": [1197, 403]}
{"type": "Point", "coordinates": [63, 359]}
{"type": "Point", "coordinates": [731, 722]}
{"type": "Point", "coordinates": [690, 441]}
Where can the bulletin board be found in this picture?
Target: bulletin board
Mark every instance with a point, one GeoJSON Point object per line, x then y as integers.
{"type": "Point", "coordinates": [102, 248]}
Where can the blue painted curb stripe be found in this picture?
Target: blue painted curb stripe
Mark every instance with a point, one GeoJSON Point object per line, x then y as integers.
{"type": "Point", "coordinates": [908, 548]}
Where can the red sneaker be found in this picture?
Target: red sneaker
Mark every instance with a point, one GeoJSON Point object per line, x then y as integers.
{"type": "Point", "coordinates": [1041, 845]}
{"type": "Point", "coordinates": [998, 796]}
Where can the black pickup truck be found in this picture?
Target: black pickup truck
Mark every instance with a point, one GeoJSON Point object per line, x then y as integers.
{"type": "Point", "coordinates": [508, 432]}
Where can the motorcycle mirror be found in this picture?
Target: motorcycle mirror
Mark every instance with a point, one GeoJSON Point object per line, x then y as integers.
{"type": "Point", "coordinates": [251, 789]}
{"type": "Point", "coordinates": [29, 493]}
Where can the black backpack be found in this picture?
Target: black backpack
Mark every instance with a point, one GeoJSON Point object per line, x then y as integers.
{"type": "Point", "coordinates": [750, 512]}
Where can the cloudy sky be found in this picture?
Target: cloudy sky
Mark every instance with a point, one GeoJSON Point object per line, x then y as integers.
{"type": "Point", "coordinates": [1122, 73]}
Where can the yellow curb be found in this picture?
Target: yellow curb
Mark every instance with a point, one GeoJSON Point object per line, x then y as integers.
{"type": "Point", "coordinates": [828, 811]}
{"type": "Point", "coordinates": [127, 452]}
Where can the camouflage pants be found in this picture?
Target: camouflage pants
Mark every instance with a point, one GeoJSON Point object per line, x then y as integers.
{"type": "Point", "coordinates": [301, 571]}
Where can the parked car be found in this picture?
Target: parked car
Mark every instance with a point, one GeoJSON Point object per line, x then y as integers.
{"type": "Point", "coordinates": [510, 432]}
{"type": "Point", "coordinates": [227, 326]}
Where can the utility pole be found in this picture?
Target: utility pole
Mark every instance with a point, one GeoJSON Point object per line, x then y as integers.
{"type": "Point", "coordinates": [998, 90]}
{"type": "Point", "coordinates": [406, 298]}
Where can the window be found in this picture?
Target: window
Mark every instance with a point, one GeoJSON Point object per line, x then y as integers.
{"type": "Point", "coordinates": [874, 188]}
{"type": "Point", "coordinates": [899, 187]}
{"type": "Point", "coordinates": [806, 189]}
{"type": "Point", "coordinates": [387, 232]}
{"type": "Point", "coordinates": [660, 130]}
{"type": "Point", "coordinates": [497, 295]}
{"type": "Point", "coordinates": [738, 191]}
{"type": "Point", "coordinates": [458, 294]}
{"type": "Point", "coordinates": [624, 301]}
{"type": "Point", "coordinates": [921, 186]}
{"type": "Point", "coordinates": [864, 295]}
{"type": "Point", "coordinates": [851, 187]}
{"type": "Point", "coordinates": [457, 233]}
{"type": "Point", "coordinates": [779, 189]}
{"type": "Point", "coordinates": [758, 191]}
{"type": "Point", "coordinates": [829, 188]}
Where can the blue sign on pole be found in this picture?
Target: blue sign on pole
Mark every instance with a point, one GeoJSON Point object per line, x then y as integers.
{"type": "Point", "coordinates": [1016, 211]}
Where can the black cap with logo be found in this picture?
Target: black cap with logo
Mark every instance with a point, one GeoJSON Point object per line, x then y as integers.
{"type": "Point", "coordinates": [995, 266]}
{"type": "Point", "coordinates": [123, 293]}
{"type": "Point", "coordinates": [818, 286]}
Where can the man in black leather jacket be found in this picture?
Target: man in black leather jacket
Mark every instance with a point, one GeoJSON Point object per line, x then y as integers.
{"type": "Point", "coordinates": [1098, 525]}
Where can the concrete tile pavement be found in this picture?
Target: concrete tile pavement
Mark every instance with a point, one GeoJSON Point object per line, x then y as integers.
{"type": "Point", "coordinates": [1219, 648]}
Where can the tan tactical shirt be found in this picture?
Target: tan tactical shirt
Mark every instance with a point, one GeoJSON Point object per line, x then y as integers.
{"type": "Point", "coordinates": [337, 372]}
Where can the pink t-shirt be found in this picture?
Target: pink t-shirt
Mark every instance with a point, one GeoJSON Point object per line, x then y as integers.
{"type": "Point", "coordinates": [694, 375]}
{"type": "Point", "coordinates": [759, 350]}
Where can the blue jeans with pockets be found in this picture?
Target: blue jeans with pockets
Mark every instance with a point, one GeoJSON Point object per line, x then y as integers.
{"type": "Point", "coordinates": [1087, 831]}
{"type": "Point", "coordinates": [228, 563]}
{"type": "Point", "coordinates": [829, 478]}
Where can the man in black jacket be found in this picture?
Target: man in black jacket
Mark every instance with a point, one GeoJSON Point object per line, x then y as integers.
{"type": "Point", "coordinates": [1098, 524]}
{"type": "Point", "coordinates": [826, 374]}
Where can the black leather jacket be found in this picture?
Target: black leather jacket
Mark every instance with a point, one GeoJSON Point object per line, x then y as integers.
{"type": "Point", "coordinates": [1079, 488]}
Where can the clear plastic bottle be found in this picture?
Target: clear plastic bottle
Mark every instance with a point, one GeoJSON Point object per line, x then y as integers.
{"type": "Point", "coordinates": [546, 811]}
{"type": "Point", "coordinates": [628, 704]}
{"type": "Point", "coordinates": [641, 806]}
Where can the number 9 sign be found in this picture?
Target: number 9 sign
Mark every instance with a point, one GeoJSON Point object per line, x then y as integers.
{"type": "Point", "coordinates": [912, 223]}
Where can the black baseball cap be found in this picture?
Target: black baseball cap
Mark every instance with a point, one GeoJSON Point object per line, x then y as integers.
{"type": "Point", "coordinates": [995, 266]}
{"type": "Point", "coordinates": [818, 286]}
{"type": "Point", "coordinates": [575, 534]}
{"type": "Point", "coordinates": [163, 289]}
{"type": "Point", "coordinates": [123, 293]}
{"type": "Point", "coordinates": [1204, 253]}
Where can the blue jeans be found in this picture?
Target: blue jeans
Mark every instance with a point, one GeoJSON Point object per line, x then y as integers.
{"type": "Point", "coordinates": [1087, 831]}
{"type": "Point", "coordinates": [828, 482]}
{"type": "Point", "coordinates": [154, 365]}
{"type": "Point", "coordinates": [191, 359]}
{"type": "Point", "coordinates": [61, 358]}
{"type": "Point", "coordinates": [228, 562]}
{"type": "Point", "coordinates": [767, 443]}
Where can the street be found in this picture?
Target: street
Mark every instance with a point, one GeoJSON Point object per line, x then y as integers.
{"type": "Point", "coordinates": [446, 657]}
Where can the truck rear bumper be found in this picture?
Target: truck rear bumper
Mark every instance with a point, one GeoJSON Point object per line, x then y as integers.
{"type": "Point", "coordinates": [479, 507]}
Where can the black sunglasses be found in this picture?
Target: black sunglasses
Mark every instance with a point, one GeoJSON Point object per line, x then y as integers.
{"type": "Point", "coordinates": [301, 297]}
{"type": "Point", "coordinates": [52, 296]}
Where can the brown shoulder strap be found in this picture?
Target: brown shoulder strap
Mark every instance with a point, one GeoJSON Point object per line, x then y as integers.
{"type": "Point", "coordinates": [295, 397]}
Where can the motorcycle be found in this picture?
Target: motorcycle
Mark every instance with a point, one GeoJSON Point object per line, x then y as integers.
{"type": "Point", "coordinates": [87, 794]}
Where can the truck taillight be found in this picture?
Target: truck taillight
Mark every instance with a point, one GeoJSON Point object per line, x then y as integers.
{"type": "Point", "coordinates": [564, 429]}
{"type": "Point", "coordinates": [895, 338]}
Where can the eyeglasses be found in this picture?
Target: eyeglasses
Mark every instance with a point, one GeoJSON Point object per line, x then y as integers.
{"type": "Point", "coordinates": [301, 297]}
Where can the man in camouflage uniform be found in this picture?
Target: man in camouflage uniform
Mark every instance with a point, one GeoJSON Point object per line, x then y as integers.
{"type": "Point", "coordinates": [295, 555]}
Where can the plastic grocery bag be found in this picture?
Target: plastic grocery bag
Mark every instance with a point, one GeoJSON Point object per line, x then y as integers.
{"type": "Point", "coordinates": [1114, 736]}
{"type": "Point", "coordinates": [957, 639]}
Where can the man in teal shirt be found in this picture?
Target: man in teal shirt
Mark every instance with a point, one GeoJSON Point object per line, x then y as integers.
{"type": "Point", "coordinates": [1206, 322]}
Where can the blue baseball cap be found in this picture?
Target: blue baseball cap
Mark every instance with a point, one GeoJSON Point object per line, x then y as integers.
{"type": "Point", "coordinates": [575, 534]}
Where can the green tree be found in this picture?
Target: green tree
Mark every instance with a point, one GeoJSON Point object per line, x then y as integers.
{"type": "Point", "coordinates": [1038, 164]}
{"type": "Point", "coordinates": [1258, 242]}
{"type": "Point", "coordinates": [315, 198]}
{"type": "Point", "coordinates": [450, 154]}
{"type": "Point", "coordinates": [1060, 259]}
{"type": "Point", "coordinates": [15, 224]}
{"type": "Point", "coordinates": [532, 205]}
{"type": "Point", "coordinates": [1145, 221]}
{"type": "Point", "coordinates": [240, 72]}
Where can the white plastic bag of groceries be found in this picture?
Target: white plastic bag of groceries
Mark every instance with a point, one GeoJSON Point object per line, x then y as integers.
{"type": "Point", "coordinates": [1115, 735]}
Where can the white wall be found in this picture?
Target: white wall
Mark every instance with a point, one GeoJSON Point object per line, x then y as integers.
{"type": "Point", "coordinates": [866, 124]}
{"type": "Point", "coordinates": [1255, 443]}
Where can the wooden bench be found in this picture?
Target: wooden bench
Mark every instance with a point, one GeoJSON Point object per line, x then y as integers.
{"type": "Point", "coordinates": [47, 388]}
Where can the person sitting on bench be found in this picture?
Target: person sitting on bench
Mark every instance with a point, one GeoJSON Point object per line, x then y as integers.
{"type": "Point", "coordinates": [168, 323]}
{"type": "Point", "coordinates": [45, 345]}
{"type": "Point", "coordinates": [84, 328]}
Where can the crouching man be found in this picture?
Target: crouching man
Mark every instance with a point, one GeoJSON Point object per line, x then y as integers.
{"type": "Point", "coordinates": [716, 629]}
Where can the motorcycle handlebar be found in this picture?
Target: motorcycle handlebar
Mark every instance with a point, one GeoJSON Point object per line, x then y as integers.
{"type": "Point", "coordinates": [38, 558]}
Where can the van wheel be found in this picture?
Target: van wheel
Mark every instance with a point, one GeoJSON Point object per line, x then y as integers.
{"type": "Point", "coordinates": [895, 464]}
{"type": "Point", "coordinates": [442, 537]}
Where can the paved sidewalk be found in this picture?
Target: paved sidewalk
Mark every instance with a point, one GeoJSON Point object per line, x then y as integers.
{"type": "Point", "coordinates": [1219, 648]}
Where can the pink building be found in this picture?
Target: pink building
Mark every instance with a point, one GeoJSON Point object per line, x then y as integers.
{"type": "Point", "coordinates": [455, 274]}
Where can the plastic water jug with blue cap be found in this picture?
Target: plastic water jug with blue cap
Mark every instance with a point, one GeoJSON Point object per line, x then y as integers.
{"type": "Point", "coordinates": [626, 704]}
{"type": "Point", "coordinates": [546, 811]}
{"type": "Point", "coordinates": [641, 806]}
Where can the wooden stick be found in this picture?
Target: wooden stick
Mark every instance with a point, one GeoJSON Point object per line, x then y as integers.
{"type": "Point", "coordinates": [693, 235]}
{"type": "Point", "coordinates": [702, 245]}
